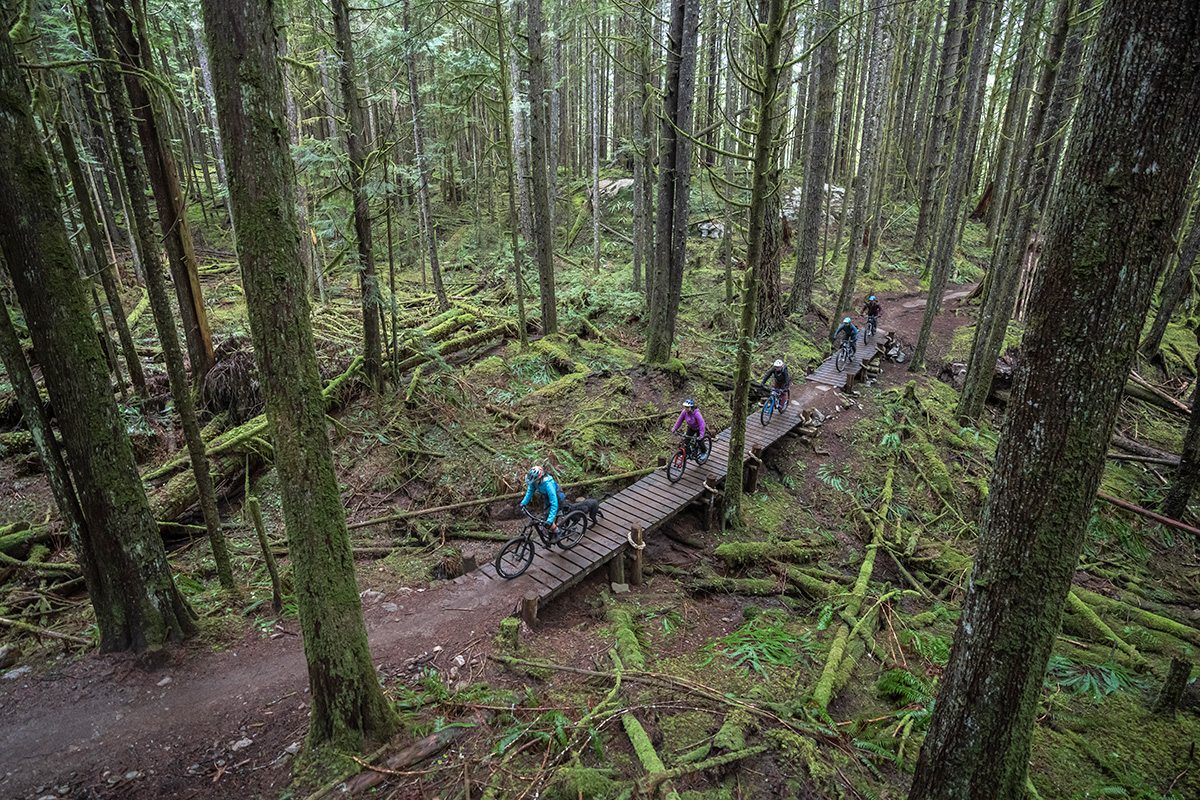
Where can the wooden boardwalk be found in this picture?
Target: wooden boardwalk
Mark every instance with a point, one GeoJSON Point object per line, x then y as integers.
{"type": "Point", "coordinates": [654, 500]}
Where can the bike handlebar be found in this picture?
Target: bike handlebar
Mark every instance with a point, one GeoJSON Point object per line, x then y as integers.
{"type": "Point", "coordinates": [685, 435]}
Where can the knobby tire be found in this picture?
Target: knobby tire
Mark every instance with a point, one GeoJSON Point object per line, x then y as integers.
{"type": "Point", "coordinates": [768, 408]}
{"type": "Point", "coordinates": [515, 557]}
{"type": "Point", "coordinates": [572, 529]}
{"type": "Point", "coordinates": [677, 465]}
{"type": "Point", "coordinates": [840, 360]}
{"type": "Point", "coordinates": [701, 458]}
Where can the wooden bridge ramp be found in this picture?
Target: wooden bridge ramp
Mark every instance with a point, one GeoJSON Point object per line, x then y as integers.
{"type": "Point", "coordinates": [654, 500]}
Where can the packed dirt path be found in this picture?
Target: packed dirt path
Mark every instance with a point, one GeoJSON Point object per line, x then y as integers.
{"type": "Point", "coordinates": [224, 722]}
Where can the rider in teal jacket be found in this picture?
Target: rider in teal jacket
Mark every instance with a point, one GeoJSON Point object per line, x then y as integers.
{"type": "Point", "coordinates": [539, 481]}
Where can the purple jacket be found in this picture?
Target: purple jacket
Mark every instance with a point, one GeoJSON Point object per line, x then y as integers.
{"type": "Point", "coordinates": [692, 417]}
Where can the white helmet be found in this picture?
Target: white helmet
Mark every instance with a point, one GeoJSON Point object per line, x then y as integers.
{"type": "Point", "coordinates": [779, 363]}
{"type": "Point", "coordinates": [846, 321]}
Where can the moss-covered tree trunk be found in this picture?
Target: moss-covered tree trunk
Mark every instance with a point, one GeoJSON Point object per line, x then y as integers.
{"type": "Point", "coordinates": [543, 234]}
{"type": "Point", "coordinates": [348, 705]}
{"type": "Point", "coordinates": [1172, 290]}
{"type": "Point", "coordinates": [160, 303]}
{"type": "Point", "coordinates": [1187, 475]}
{"type": "Point", "coordinates": [1059, 72]}
{"type": "Point", "coordinates": [163, 180]}
{"type": "Point", "coordinates": [356, 149]}
{"type": "Point", "coordinates": [1134, 144]}
{"type": "Point", "coordinates": [514, 231]}
{"type": "Point", "coordinates": [816, 170]}
{"type": "Point", "coordinates": [665, 274]}
{"type": "Point", "coordinates": [135, 599]}
{"type": "Point", "coordinates": [764, 86]}
{"type": "Point", "coordinates": [112, 292]}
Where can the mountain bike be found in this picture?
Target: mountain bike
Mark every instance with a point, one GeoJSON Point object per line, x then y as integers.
{"type": "Point", "coordinates": [692, 447]}
{"type": "Point", "coordinates": [844, 354]}
{"type": "Point", "coordinates": [517, 553]}
{"type": "Point", "coordinates": [778, 399]}
{"type": "Point", "coordinates": [872, 325]}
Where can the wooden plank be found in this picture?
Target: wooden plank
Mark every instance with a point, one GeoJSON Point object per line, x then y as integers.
{"type": "Point", "coordinates": [570, 560]}
{"type": "Point", "coordinates": [545, 565]}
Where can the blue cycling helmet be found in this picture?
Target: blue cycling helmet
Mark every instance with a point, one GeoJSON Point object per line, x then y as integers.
{"type": "Point", "coordinates": [689, 403]}
{"type": "Point", "coordinates": [846, 321]}
{"type": "Point", "coordinates": [534, 474]}
{"type": "Point", "coordinates": [872, 297]}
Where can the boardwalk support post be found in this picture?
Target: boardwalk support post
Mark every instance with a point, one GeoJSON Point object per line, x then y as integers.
{"type": "Point", "coordinates": [469, 563]}
{"type": "Point", "coordinates": [616, 567]}
{"type": "Point", "coordinates": [753, 461]}
{"type": "Point", "coordinates": [635, 538]}
{"type": "Point", "coordinates": [529, 609]}
{"type": "Point", "coordinates": [710, 510]}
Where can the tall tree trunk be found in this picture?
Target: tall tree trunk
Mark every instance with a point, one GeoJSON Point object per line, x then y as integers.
{"type": "Point", "coordinates": [210, 109]}
{"type": "Point", "coordinates": [112, 292]}
{"type": "Point", "coordinates": [509, 110]}
{"type": "Point", "coordinates": [160, 303]}
{"type": "Point", "coordinates": [539, 195]}
{"type": "Point", "coordinates": [643, 166]}
{"type": "Point", "coordinates": [1172, 290]}
{"type": "Point", "coordinates": [977, 21]}
{"type": "Point", "coordinates": [414, 98]}
{"type": "Point", "coordinates": [769, 40]}
{"type": "Point", "coordinates": [597, 139]}
{"type": "Point", "coordinates": [877, 104]}
{"type": "Point", "coordinates": [164, 183]}
{"type": "Point", "coordinates": [1013, 250]}
{"type": "Point", "coordinates": [674, 179]}
{"type": "Point", "coordinates": [356, 149]}
{"type": "Point", "coordinates": [934, 146]}
{"type": "Point", "coordinates": [120, 550]}
{"type": "Point", "coordinates": [1135, 141]}
{"type": "Point", "coordinates": [348, 705]}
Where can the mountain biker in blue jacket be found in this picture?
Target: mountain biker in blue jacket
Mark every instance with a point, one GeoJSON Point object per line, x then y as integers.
{"type": "Point", "coordinates": [782, 380]}
{"type": "Point", "coordinates": [695, 423]}
{"type": "Point", "coordinates": [851, 334]}
{"type": "Point", "coordinates": [539, 481]}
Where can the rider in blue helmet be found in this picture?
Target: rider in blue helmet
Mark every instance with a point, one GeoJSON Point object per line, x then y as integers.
{"type": "Point", "coordinates": [850, 332]}
{"type": "Point", "coordinates": [539, 481]}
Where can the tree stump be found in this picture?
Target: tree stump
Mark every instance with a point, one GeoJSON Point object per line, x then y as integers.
{"type": "Point", "coordinates": [469, 563]}
{"type": "Point", "coordinates": [750, 484]}
{"type": "Point", "coordinates": [1172, 688]}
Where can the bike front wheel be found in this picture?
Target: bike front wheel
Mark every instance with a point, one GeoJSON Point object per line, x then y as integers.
{"type": "Point", "coordinates": [677, 465]}
{"type": "Point", "coordinates": [840, 360]}
{"type": "Point", "coordinates": [572, 529]}
{"type": "Point", "coordinates": [701, 456]}
{"type": "Point", "coordinates": [768, 409]}
{"type": "Point", "coordinates": [515, 557]}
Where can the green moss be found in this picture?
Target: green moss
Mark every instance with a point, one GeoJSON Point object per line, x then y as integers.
{"type": "Point", "coordinates": [935, 470]}
{"type": "Point", "coordinates": [629, 646]}
{"type": "Point", "coordinates": [739, 554]}
{"type": "Point", "coordinates": [797, 748]}
{"type": "Point", "coordinates": [576, 781]}
{"type": "Point", "coordinates": [558, 389]}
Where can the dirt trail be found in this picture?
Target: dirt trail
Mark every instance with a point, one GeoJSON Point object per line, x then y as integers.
{"type": "Point", "coordinates": [217, 723]}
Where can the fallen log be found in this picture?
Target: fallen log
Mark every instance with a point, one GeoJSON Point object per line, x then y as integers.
{"type": "Point", "coordinates": [1174, 523]}
{"type": "Point", "coordinates": [1139, 388]}
{"type": "Point", "coordinates": [415, 753]}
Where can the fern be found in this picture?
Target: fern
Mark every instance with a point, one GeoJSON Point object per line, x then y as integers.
{"type": "Point", "coordinates": [903, 686]}
{"type": "Point", "coordinates": [761, 643]}
{"type": "Point", "coordinates": [1095, 680]}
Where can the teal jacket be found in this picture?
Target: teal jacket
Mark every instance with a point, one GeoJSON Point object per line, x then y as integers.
{"type": "Point", "coordinates": [548, 488]}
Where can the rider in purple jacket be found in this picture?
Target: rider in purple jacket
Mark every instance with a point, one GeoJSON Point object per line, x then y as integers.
{"type": "Point", "coordinates": [695, 422]}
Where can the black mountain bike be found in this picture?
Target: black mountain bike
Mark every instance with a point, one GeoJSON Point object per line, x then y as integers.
{"type": "Point", "coordinates": [777, 400]}
{"type": "Point", "coordinates": [517, 553]}
{"type": "Point", "coordinates": [691, 448]}
{"type": "Point", "coordinates": [844, 355]}
{"type": "Point", "coordinates": [872, 326]}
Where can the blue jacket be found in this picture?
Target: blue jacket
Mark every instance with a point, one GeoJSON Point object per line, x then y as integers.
{"type": "Point", "coordinates": [548, 488]}
{"type": "Point", "coordinates": [851, 332]}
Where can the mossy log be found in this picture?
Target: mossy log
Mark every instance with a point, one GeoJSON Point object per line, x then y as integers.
{"type": "Point", "coordinates": [831, 679]}
{"type": "Point", "coordinates": [1101, 630]}
{"type": "Point", "coordinates": [455, 345]}
{"type": "Point", "coordinates": [209, 433]}
{"type": "Point", "coordinates": [14, 536]}
{"type": "Point", "coordinates": [740, 554]}
{"type": "Point", "coordinates": [647, 755]}
{"type": "Point", "coordinates": [15, 443]}
{"type": "Point", "coordinates": [625, 632]}
{"type": "Point", "coordinates": [752, 587]}
{"type": "Point", "coordinates": [1138, 616]}
{"type": "Point", "coordinates": [813, 587]}
{"type": "Point", "coordinates": [1139, 389]}
{"type": "Point", "coordinates": [138, 310]}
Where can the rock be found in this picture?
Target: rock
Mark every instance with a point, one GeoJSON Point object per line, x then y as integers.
{"type": "Point", "coordinates": [453, 672]}
{"type": "Point", "coordinates": [370, 596]}
{"type": "Point", "coordinates": [391, 607]}
{"type": "Point", "coordinates": [459, 661]}
{"type": "Point", "coordinates": [620, 588]}
{"type": "Point", "coordinates": [438, 649]}
{"type": "Point", "coordinates": [165, 681]}
{"type": "Point", "coordinates": [134, 775]}
{"type": "Point", "coordinates": [241, 744]}
{"type": "Point", "coordinates": [9, 654]}
{"type": "Point", "coordinates": [18, 672]}
{"type": "Point", "coordinates": [292, 748]}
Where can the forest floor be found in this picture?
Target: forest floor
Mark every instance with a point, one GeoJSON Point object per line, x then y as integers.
{"type": "Point", "coordinates": [214, 722]}
{"type": "Point", "coordinates": [735, 648]}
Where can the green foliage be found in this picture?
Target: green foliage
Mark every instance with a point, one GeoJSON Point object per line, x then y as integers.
{"type": "Point", "coordinates": [1094, 680]}
{"type": "Point", "coordinates": [928, 645]}
{"type": "Point", "coordinates": [760, 643]}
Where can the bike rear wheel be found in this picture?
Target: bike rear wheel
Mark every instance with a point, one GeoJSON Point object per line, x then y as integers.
{"type": "Point", "coordinates": [840, 360]}
{"type": "Point", "coordinates": [701, 457]}
{"type": "Point", "coordinates": [768, 409]}
{"type": "Point", "coordinates": [677, 465]}
{"type": "Point", "coordinates": [572, 529]}
{"type": "Point", "coordinates": [515, 557]}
